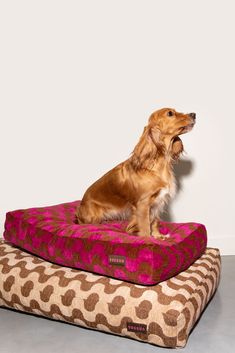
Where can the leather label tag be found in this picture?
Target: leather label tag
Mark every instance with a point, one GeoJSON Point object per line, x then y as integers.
{"type": "Point", "coordinates": [117, 260]}
{"type": "Point", "coordinates": [135, 327]}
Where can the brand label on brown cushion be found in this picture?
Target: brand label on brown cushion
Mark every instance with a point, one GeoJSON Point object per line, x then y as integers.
{"type": "Point", "coordinates": [135, 327]}
{"type": "Point", "coordinates": [117, 260]}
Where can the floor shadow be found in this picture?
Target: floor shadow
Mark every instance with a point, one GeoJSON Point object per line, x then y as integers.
{"type": "Point", "coordinates": [181, 169]}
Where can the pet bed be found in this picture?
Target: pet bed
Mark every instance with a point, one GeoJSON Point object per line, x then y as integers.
{"type": "Point", "coordinates": [163, 314]}
{"type": "Point", "coordinates": [51, 233]}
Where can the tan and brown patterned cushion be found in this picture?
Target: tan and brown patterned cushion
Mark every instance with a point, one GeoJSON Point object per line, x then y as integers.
{"type": "Point", "coordinates": [162, 314]}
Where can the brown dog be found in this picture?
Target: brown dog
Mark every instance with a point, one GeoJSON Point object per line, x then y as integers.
{"type": "Point", "coordinates": [138, 188]}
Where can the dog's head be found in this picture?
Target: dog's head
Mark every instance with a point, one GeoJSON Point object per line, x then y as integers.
{"type": "Point", "coordinates": [161, 137]}
{"type": "Point", "coordinates": [168, 122]}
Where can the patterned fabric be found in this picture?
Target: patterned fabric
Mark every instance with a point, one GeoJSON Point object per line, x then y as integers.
{"type": "Point", "coordinates": [51, 233]}
{"type": "Point", "coordinates": [162, 314]}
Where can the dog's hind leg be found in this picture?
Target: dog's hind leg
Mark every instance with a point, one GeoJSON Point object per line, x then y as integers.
{"type": "Point", "coordinates": [89, 212]}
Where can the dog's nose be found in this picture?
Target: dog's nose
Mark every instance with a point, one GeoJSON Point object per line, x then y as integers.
{"type": "Point", "coordinates": [192, 115]}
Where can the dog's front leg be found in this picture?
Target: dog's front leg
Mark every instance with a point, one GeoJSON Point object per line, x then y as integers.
{"type": "Point", "coordinates": [132, 226]}
{"type": "Point", "coordinates": [143, 217]}
{"type": "Point", "coordinates": [155, 230]}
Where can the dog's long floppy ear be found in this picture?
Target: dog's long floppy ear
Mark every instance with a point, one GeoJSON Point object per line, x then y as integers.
{"type": "Point", "coordinates": [155, 134]}
{"type": "Point", "coordinates": [147, 149]}
{"type": "Point", "coordinates": [177, 148]}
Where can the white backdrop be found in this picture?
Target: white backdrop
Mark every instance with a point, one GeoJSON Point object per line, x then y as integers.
{"type": "Point", "coordinates": [79, 80]}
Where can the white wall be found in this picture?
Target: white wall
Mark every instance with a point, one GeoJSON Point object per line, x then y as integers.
{"type": "Point", "coordinates": [79, 80]}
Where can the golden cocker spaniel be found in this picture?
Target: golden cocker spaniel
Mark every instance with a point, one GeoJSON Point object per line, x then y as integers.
{"type": "Point", "coordinates": [138, 188]}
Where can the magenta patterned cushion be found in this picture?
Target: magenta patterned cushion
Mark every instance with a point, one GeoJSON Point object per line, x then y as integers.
{"type": "Point", "coordinates": [51, 233]}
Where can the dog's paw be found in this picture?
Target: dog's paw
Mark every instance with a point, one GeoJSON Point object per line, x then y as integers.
{"type": "Point", "coordinates": [132, 229]}
{"type": "Point", "coordinates": [159, 236]}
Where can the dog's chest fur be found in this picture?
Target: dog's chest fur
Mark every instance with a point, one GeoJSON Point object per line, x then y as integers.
{"type": "Point", "coordinates": [163, 197]}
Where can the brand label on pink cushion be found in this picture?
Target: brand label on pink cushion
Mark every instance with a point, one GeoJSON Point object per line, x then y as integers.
{"type": "Point", "coordinates": [117, 260]}
{"type": "Point", "coordinates": [136, 327]}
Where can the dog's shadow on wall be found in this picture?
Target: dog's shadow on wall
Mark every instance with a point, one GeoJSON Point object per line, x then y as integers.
{"type": "Point", "coordinates": [181, 169]}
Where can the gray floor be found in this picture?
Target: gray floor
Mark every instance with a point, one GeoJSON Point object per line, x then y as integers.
{"type": "Point", "coordinates": [215, 331]}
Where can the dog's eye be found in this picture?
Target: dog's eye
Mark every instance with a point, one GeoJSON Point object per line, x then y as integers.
{"type": "Point", "coordinates": [170, 113]}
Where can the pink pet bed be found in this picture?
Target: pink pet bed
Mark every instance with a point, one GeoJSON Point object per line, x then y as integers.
{"type": "Point", "coordinates": [51, 233]}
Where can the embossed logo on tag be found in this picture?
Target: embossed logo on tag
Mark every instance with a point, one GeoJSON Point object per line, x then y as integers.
{"type": "Point", "coordinates": [117, 260]}
{"type": "Point", "coordinates": [135, 327]}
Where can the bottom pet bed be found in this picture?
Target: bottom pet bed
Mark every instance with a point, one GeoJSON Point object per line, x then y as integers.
{"type": "Point", "coordinates": [163, 314]}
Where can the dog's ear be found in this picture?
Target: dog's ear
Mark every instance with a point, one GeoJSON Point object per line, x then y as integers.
{"type": "Point", "coordinates": [140, 151]}
{"type": "Point", "coordinates": [177, 148]}
{"type": "Point", "coordinates": [147, 150]}
{"type": "Point", "coordinates": [155, 134]}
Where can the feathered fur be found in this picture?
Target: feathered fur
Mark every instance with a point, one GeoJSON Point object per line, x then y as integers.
{"type": "Point", "coordinates": [138, 188]}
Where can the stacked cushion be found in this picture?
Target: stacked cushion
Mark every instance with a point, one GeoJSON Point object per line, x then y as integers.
{"type": "Point", "coordinates": [162, 314]}
{"type": "Point", "coordinates": [51, 233]}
